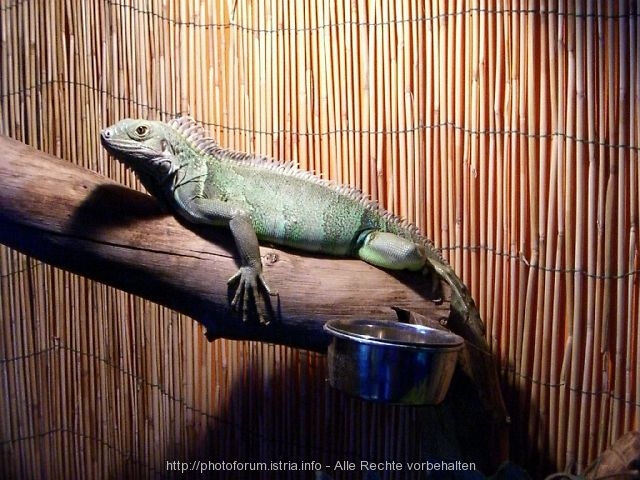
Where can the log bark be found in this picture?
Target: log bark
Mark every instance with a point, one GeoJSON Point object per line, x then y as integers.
{"type": "Point", "coordinates": [85, 223]}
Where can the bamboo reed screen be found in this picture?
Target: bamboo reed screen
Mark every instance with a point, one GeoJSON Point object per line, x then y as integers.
{"type": "Point", "coordinates": [508, 131]}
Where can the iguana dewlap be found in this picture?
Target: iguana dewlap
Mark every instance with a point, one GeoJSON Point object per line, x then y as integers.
{"type": "Point", "coordinates": [258, 198]}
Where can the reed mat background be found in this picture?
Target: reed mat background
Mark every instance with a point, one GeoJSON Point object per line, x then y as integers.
{"type": "Point", "coordinates": [508, 131]}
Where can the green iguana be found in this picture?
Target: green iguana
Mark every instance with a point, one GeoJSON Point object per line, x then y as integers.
{"type": "Point", "coordinates": [258, 198]}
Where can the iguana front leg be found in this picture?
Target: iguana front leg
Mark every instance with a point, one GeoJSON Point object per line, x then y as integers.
{"type": "Point", "coordinates": [249, 277]}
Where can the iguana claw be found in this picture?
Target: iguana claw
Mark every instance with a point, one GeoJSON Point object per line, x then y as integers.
{"type": "Point", "coordinates": [250, 280]}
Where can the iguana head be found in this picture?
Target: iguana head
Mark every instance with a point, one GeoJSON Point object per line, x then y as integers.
{"type": "Point", "coordinates": [146, 146]}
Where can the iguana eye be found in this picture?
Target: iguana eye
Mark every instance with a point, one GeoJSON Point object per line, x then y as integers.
{"type": "Point", "coordinates": [142, 130]}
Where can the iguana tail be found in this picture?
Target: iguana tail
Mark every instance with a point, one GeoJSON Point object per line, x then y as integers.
{"type": "Point", "coordinates": [464, 318]}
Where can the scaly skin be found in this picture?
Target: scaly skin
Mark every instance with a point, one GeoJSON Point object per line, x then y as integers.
{"type": "Point", "coordinates": [260, 199]}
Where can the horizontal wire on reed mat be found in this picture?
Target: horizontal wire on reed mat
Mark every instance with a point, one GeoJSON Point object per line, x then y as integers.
{"type": "Point", "coordinates": [508, 132]}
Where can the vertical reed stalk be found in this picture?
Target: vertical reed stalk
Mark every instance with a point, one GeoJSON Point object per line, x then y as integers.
{"type": "Point", "coordinates": [622, 130]}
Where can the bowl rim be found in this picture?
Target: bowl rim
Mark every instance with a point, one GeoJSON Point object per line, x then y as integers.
{"type": "Point", "coordinates": [339, 328]}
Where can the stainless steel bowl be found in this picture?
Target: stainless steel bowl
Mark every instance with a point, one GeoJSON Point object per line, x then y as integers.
{"type": "Point", "coordinates": [391, 362]}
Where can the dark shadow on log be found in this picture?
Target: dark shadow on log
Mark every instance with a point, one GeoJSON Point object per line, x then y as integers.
{"type": "Point", "coordinates": [110, 205]}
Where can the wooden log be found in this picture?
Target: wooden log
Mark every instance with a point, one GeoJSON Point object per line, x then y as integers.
{"type": "Point", "coordinates": [85, 223]}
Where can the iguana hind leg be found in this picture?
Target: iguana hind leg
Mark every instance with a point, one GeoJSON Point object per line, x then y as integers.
{"type": "Point", "coordinates": [388, 250]}
{"type": "Point", "coordinates": [391, 251]}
